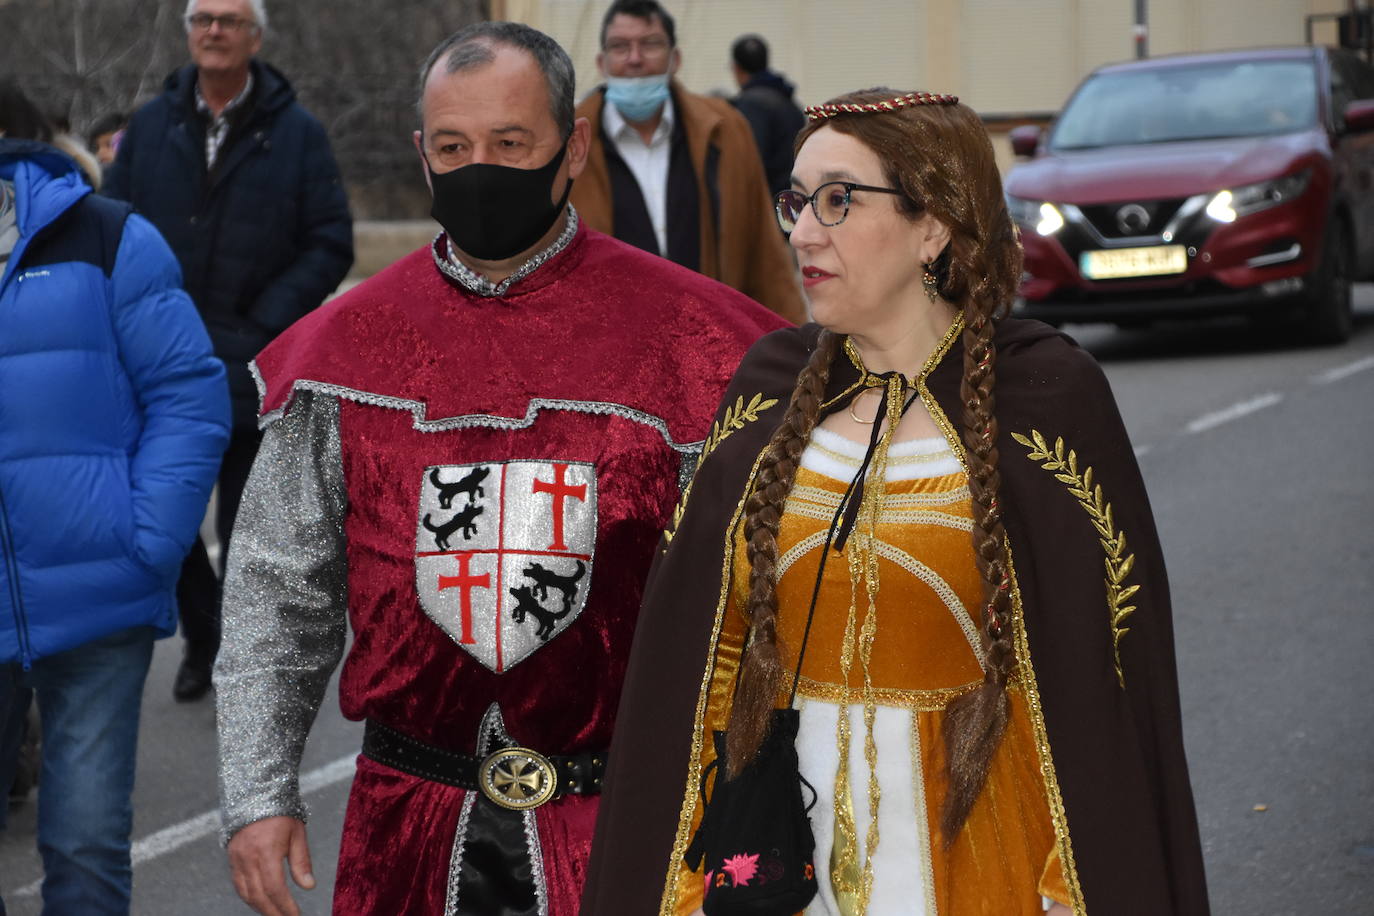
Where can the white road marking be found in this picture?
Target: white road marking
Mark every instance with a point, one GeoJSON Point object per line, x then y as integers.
{"type": "Point", "coordinates": [329, 774]}
{"type": "Point", "coordinates": [1340, 372]}
{"type": "Point", "coordinates": [175, 837]}
{"type": "Point", "coordinates": [1234, 412]}
{"type": "Point", "coordinates": [170, 839]}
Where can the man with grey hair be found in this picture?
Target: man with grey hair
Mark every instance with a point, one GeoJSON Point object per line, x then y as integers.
{"type": "Point", "coordinates": [241, 181]}
{"type": "Point", "coordinates": [469, 458]}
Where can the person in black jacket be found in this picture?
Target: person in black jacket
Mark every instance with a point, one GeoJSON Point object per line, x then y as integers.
{"type": "Point", "coordinates": [765, 100]}
{"type": "Point", "coordinates": [242, 182]}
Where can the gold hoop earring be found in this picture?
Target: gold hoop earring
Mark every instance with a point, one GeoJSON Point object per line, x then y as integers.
{"type": "Point", "coordinates": [931, 284]}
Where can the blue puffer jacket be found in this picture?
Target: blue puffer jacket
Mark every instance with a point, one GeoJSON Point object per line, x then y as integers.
{"type": "Point", "coordinates": [264, 237]}
{"type": "Point", "coordinates": [113, 415]}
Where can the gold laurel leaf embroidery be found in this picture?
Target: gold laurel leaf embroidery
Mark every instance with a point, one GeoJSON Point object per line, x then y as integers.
{"type": "Point", "coordinates": [1118, 563]}
{"type": "Point", "coordinates": [735, 417]}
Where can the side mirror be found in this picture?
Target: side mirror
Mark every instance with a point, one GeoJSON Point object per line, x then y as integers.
{"type": "Point", "coordinates": [1026, 139]}
{"type": "Point", "coordinates": [1359, 116]}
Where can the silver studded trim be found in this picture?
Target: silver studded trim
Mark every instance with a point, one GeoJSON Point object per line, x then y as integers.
{"type": "Point", "coordinates": [687, 469]}
{"type": "Point", "coordinates": [491, 733]}
{"type": "Point", "coordinates": [455, 862]}
{"type": "Point", "coordinates": [541, 891]}
{"type": "Point", "coordinates": [492, 736]}
{"type": "Point", "coordinates": [688, 450]}
{"type": "Point", "coordinates": [473, 282]}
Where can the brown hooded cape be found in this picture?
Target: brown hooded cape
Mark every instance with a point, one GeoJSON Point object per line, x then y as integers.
{"type": "Point", "coordinates": [1113, 755]}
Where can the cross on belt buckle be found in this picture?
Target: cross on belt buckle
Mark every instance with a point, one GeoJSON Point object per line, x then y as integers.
{"type": "Point", "coordinates": [517, 778]}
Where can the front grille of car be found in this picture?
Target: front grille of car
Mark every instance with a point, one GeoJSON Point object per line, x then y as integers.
{"type": "Point", "coordinates": [1205, 286]}
{"type": "Point", "coordinates": [1107, 218]}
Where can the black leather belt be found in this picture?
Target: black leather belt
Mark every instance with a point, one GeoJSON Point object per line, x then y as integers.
{"type": "Point", "coordinates": [513, 777]}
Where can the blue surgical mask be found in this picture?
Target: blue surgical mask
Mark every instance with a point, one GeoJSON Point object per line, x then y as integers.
{"type": "Point", "coordinates": [637, 98]}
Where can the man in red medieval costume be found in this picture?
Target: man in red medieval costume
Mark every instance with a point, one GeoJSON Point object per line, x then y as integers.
{"type": "Point", "coordinates": [468, 458]}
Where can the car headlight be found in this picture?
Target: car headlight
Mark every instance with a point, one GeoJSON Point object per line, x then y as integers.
{"type": "Point", "coordinates": [1043, 217]}
{"type": "Point", "coordinates": [1227, 205]}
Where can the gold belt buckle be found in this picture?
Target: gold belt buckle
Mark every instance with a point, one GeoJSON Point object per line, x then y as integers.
{"type": "Point", "coordinates": [517, 778]}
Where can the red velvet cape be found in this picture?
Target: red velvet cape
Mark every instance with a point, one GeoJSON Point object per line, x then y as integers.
{"type": "Point", "coordinates": [604, 357]}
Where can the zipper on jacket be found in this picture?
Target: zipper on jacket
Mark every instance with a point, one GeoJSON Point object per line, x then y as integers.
{"type": "Point", "coordinates": [21, 623]}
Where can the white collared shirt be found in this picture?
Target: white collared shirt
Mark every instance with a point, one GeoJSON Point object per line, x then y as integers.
{"type": "Point", "coordinates": [648, 162]}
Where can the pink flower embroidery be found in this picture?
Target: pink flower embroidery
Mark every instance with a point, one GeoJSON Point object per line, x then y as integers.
{"type": "Point", "coordinates": [708, 880]}
{"type": "Point", "coordinates": [742, 868]}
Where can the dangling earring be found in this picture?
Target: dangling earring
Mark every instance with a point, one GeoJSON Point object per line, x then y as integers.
{"type": "Point", "coordinates": [931, 284]}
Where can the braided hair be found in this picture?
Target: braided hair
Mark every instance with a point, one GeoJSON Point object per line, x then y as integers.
{"type": "Point", "coordinates": [938, 153]}
{"type": "Point", "coordinates": [762, 674]}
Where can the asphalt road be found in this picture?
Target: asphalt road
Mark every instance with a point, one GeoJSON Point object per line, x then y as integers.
{"type": "Point", "coordinates": [1258, 456]}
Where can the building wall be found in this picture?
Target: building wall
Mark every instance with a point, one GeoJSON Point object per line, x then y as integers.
{"type": "Point", "coordinates": [1001, 56]}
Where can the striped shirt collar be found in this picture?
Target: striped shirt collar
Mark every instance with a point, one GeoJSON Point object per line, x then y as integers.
{"type": "Point", "coordinates": [218, 129]}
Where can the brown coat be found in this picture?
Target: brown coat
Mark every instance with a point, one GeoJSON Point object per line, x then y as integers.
{"type": "Point", "coordinates": [750, 254]}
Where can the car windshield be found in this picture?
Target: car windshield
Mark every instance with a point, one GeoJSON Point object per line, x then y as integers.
{"type": "Point", "coordinates": [1242, 98]}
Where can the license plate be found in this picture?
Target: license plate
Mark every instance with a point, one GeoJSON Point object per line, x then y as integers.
{"type": "Point", "coordinates": [1114, 263]}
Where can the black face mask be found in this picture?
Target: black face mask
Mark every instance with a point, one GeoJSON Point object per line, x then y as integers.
{"type": "Point", "coordinates": [494, 212]}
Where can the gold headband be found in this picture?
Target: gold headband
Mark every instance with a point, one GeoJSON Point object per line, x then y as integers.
{"type": "Point", "coordinates": [831, 109]}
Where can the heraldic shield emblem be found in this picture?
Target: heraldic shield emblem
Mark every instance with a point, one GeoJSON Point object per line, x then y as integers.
{"type": "Point", "coordinates": [503, 553]}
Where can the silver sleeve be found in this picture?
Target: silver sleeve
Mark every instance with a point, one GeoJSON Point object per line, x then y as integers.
{"type": "Point", "coordinates": [284, 613]}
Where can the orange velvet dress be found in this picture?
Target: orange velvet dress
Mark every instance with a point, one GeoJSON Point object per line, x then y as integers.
{"type": "Point", "coordinates": [923, 650]}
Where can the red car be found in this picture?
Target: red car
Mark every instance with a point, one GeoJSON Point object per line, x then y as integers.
{"type": "Point", "coordinates": [1202, 184]}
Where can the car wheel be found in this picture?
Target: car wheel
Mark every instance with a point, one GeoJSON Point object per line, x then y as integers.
{"type": "Point", "coordinates": [1330, 316]}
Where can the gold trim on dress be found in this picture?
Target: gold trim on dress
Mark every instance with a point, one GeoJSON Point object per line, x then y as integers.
{"type": "Point", "coordinates": [956, 444]}
{"type": "Point", "coordinates": [847, 879]}
{"type": "Point", "coordinates": [1089, 496]}
{"type": "Point", "coordinates": [668, 903]}
{"type": "Point", "coordinates": [890, 516]}
{"type": "Point", "coordinates": [798, 550]}
{"type": "Point", "coordinates": [918, 795]}
{"type": "Point", "coordinates": [850, 882]}
{"type": "Point", "coordinates": [900, 500]}
{"type": "Point", "coordinates": [1055, 799]}
{"type": "Point", "coordinates": [915, 700]}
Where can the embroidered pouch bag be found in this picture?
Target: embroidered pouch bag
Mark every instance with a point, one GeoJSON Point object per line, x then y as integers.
{"type": "Point", "coordinates": [755, 837]}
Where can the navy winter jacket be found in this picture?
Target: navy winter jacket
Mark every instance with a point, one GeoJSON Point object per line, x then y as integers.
{"type": "Point", "coordinates": [264, 237]}
{"type": "Point", "coordinates": [775, 118]}
{"type": "Point", "coordinates": [113, 415]}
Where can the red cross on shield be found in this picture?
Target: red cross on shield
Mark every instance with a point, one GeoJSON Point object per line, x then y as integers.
{"type": "Point", "coordinates": [503, 553]}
